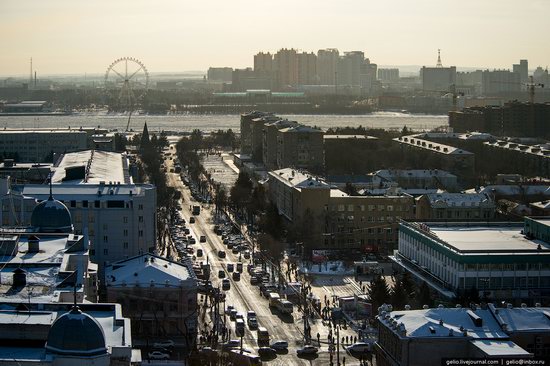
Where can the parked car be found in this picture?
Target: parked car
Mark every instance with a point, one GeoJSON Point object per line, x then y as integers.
{"type": "Point", "coordinates": [191, 220]}
{"type": "Point", "coordinates": [233, 314]}
{"type": "Point", "coordinates": [359, 347]}
{"type": "Point", "coordinates": [202, 239]}
{"type": "Point", "coordinates": [166, 343]}
{"type": "Point", "coordinates": [221, 254]}
{"type": "Point", "coordinates": [230, 267]}
{"type": "Point", "coordinates": [250, 314]}
{"type": "Point", "coordinates": [234, 343]}
{"type": "Point", "coordinates": [307, 350]}
{"type": "Point", "coordinates": [199, 252]}
{"type": "Point", "coordinates": [157, 355]}
{"type": "Point", "coordinates": [221, 273]}
{"type": "Point", "coordinates": [279, 345]}
{"type": "Point", "coordinates": [236, 276]}
{"type": "Point", "coordinates": [228, 309]}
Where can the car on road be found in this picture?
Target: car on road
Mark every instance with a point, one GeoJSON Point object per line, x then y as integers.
{"type": "Point", "coordinates": [247, 254]}
{"type": "Point", "coordinates": [230, 267]}
{"type": "Point", "coordinates": [202, 239]}
{"type": "Point", "coordinates": [279, 345]}
{"type": "Point", "coordinates": [165, 344]}
{"type": "Point", "coordinates": [235, 250]}
{"type": "Point", "coordinates": [226, 285]}
{"type": "Point", "coordinates": [192, 241]}
{"type": "Point", "coordinates": [207, 351]}
{"type": "Point", "coordinates": [239, 327]}
{"type": "Point", "coordinates": [239, 316]}
{"type": "Point", "coordinates": [250, 314]}
{"type": "Point", "coordinates": [221, 253]}
{"type": "Point", "coordinates": [254, 280]}
{"type": "Point", "coordinates": [234, 343]}
{"type": "Point", "coordinates": [359, 347]}
{"type": "Point", "coordinates": [239, 267]}
{"type": "Point", "coordinates": [199, 252]}
{"type": "Point", "coordinates": [191, 220]}
{"type": "Point", "coordinates": [307, 350]}
{"type": "Point", "coordinates": [221, 273]}
{"type": "Point", "coordinates": [267, 352]}
{"type": "Point", "coordinates": [228, 309]}
{"type": "Point", "coordinates": [252, 323]}
{"type": "Point", "coordinates": [233, 314]}
{"type": "Point", "coordinates": [236, 276]}
{"type": "Point", "coordinates": [157, 355]}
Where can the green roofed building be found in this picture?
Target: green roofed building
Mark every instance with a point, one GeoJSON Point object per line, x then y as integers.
{"type": "Point", "coordinates": [501, 261]}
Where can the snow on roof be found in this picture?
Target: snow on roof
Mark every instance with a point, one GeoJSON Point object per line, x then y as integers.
{"type": "Point", "coordinates": [75, 191]}
{"type": "Point", "coordinates": [481, 238]}
{"type": "Point", "coordinates": [513, 190]}
{"type": "Point", "coordinates": [412, 173]}
{"type": "Point", "coordinates": [542, 151]}
{"type": "Point", "coordinates": [334, 192]}
{"type": "Point", "coordinates": [301, 129]}
{"type": "Point", "coordinates": [147, 269]}
{"type": "Point", "coordinates": [459, 199]}
{"type": "Point", "coordinates": [413, 140]}
{"type": "Point", "coordinates": [542, 205]}
{"type": "Point", "coordinates": [349, 137]}
{"type": "Point", "coordinates": [440, 322]}
{"type": "Point", "coordinates": [298, 179]}
{"type": "Point", "coordinates": [499, 348]}
{"type": "Point", "coordinates": [101, 166]}
{"type": "Point", "coordinates": [524, 319]}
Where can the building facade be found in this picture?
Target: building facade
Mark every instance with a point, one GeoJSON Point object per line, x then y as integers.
{"type": "Point", "coordinates": [300, 147]}
{"type": "Point", "coordinates": [455, 206]}
{"type": "Point", "coordinates": [500, 261]}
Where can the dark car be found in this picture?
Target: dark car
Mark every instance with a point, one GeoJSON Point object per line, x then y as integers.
{"type": "Point", "coordinates": [267, 352]}
{"type": "Point", "coordinates": [236, 276]}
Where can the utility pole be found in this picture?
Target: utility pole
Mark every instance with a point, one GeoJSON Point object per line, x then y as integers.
{"type": "Point", "coordinates": [338, 345]}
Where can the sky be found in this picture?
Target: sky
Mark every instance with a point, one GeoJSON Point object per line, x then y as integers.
{"type": "Point", "coordinates": [77, 36]}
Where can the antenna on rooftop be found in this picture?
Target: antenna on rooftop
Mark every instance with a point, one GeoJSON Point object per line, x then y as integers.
{"type": "Point", "coordinates": [74, 295]}
{"type": "Point", "coordinates": [439, 64]}
{"type": "Point", "coordinates": [30, 79]}
{"type": "Point", "coordinates": [50, 182]}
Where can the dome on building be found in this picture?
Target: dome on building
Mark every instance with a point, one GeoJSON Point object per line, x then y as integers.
{"type": "Point", "coordinates": [77, 334]}
{"type": "Point", "coordinates": [52, 216]}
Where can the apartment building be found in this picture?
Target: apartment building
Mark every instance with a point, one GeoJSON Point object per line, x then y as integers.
{"type": "Point", "coordinates": [334, 222]}
{"type": "Point", "coordinates": [269, 146]}
{"type": "Point", "coordinates": [300, 147]}
{"type": "Point", "coordinates": [455, 206]}
{"type": "Point", "coordinates": [531, 160]}
{"type": "Point", "coordinates": [446, 157]}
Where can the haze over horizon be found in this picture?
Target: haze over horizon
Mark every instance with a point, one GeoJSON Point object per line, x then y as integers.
{"type": "Point", "coordinates": [66, 37]}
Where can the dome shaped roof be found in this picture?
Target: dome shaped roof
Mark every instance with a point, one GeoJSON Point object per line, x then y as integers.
{"type": "Point", "coordinates": [52, 216]}
{"type": "Point", "coordinates": [76, 333]}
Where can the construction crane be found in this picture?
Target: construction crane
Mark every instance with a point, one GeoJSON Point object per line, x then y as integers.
{"type": "Point", "coordinates": [531, 86]}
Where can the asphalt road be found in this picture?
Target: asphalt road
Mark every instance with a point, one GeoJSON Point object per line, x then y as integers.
{"type": "Point", "coordinates": [244, 296]}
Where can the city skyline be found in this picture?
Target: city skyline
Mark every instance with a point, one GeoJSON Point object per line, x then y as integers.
{"type": "Point", "coordinates": [69, 38]}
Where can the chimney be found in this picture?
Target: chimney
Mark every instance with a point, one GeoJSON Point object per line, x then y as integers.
{"type": "Point", "coordinates": [19, 278]}
{"type": "Point", "coordinates": [34, 244]}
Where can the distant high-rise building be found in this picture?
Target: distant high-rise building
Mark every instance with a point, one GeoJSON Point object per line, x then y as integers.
{"type": "Point", "coordinates": [219, 74]}
{"type": "Point", "coordinates": [500, 81]}
{"type": "Point", "coordinates": [540, 76]}
{"type": "Point", "coordinates": [388, 74]}
{"type": "Point", "coordinates": [438, 78]}
{"type": "Point", "coordinates": [522, 69]}
{"type": "Point", "coordinates": [286, 67]}
{"type": "Point", "coordinates": [327, 62]}
{"type": "Point", "coordinates": [307, 68]}
{"type": "Point", "coordinates": [263, 62]}
{"type": "Point", "coordinates": [349, 68]}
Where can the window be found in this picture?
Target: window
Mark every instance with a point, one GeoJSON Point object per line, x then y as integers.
{"type": "Point", "coordinates": [73, 203]}
{"type": "Point", "coordinates": [140, 206]}
{"type": "Point", "coordinates": [372, 207]}
{"type": "Point", "coordinates": [389, 208]}
{"type": "Point", "coordinates": [84, 203]}
{"type": "Point", "coordinates": [125, 219]}
{"type": "Point", "coordinates": [92, 251]}
{"type": "Point", "coordinates": [115, 204]}
{"type": "Point", "coordinates": [97, 204]}
{"type": "Point", "coordinates": [125, 245]}
{"type": "Point", "coordinates": [381, 207]}
{"type": "Point", "coordinates": [350, 208]}
{"type": "Point", "coordinates": [105, 251]}
{"type": "Point", "coordinates": [125, 232]}
{"type": "Point", "coordinates": [341, 207]}
{"type": "Point", "coordinates": [105, 238]}
{"type": "Point", "coordinates": [362, 207]}
{"type": "Point", "coordinates": [140, 233]}
{"type": "Point", "coordinates": [140, 218]}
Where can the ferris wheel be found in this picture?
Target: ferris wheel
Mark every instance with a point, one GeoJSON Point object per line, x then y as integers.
{"type": "Point", "coordinates": [126, 83]}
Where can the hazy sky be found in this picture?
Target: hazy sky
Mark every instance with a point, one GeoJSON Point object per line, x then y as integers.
{"type": "Point", "coordinates": [76, 36]}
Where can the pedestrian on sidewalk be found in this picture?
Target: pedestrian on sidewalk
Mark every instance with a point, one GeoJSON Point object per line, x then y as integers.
{"type": "Point", "coordinates": [319, 339]}
{"type": "Point", "coordinates": [344, 361]}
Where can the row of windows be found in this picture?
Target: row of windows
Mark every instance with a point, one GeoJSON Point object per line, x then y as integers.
{"type": "Point", "coordinates": [351, 208]}
{"type": "Point", "coordinates": [484, 283]}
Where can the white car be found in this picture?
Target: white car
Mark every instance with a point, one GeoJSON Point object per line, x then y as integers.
{"type": "Point", "coordinates": [307, 350]}
{"type": "Point", "coordinates": [164, 344]}
{"type": "Point", "coordinates": [359, 347]}
{"type": "Point", "coordinates": [157, 355]}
